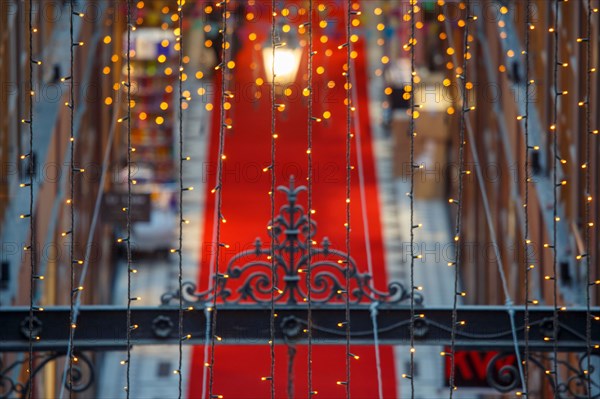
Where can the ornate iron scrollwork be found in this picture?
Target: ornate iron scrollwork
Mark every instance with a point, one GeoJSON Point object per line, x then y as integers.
{"type": "Point", "coordinates": [504, 377]}
{"type": "Point", "coordinates": [501, 375]}
{"type": "Point", "coordinates": [574, 385]}
{"type": "Point", "coordinates": [248, 275]}
{"type": "Point", "coordinates": [10, 386]}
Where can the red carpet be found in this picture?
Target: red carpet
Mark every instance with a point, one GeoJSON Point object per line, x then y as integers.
{"type": "Point", "coordinates": [246, 206]}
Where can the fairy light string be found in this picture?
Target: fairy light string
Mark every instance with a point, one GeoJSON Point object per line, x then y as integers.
{"type": "Point", "coordinates": [71, 232]}
{"type": "Point", "coordinates": [74, 290]}
{"type": "Point", "coordinates": [182, 189]}
{"type": "Point", "coordinates": [528, 27]}
{"type": "Point", "coordinates": [412, 43]}
{"type": "Point", "coordinates": [311, 53]}
{"type": "Point", "coordinates": [272, 200]}
{"type": "Point", "coordinates": [33, 277]}
{"type": "Point", "coordinates": [350, 14]}
{"type": "Point", "coordinates": [217, 190]}
{"type": "Point", "coordinates": [588, 197]}
{"type": "Point", "coordinates": [458, 229]}
{"type": "Point", "coordinates": [129, 325]}
{"type": "Point", "coordinates": [554, 132]}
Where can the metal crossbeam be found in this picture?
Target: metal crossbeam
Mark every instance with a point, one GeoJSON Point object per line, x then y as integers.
{"type": "Point", "coordinates": [103, 327]}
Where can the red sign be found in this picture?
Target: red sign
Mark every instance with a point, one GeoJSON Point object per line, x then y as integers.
{"type": "Point", "coordinates": [471, 367]}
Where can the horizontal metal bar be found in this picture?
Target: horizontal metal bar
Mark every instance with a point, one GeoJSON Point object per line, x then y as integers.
{"type": "Point", "coordinates": [104, 327]}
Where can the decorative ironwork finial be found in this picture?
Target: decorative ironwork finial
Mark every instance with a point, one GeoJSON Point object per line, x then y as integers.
{"type": "Point", "coordinates": [248, 275]}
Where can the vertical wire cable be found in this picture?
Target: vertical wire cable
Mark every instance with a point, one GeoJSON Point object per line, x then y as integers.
{"type": "Point", "coordinates": [589, 284]}
{"type": "Point", "coordinates": [526, 199]}
{"type": "Point", "coordinates": [218, 191]}
{"type": "Point", "coordinates": [356, 138]}
{"type": "Point", "coordinates": [129, 260]}
{"type": "Point", "coordinates": [272, 199]}
{"type": "Point", "coordinates": [33, 243]}
{"type": "Point", "coordinates": [489, 219]}
{"type": "Point", "coordinates": [554, 131]}
{"type": "Point", "coordinates": [348, 188]}
{"type": "Point", "coordinates": [488, 216]}
{"type": "Point", "coordinates": [309, 195]}
{"type": "Point", "coordinates": [71, 232]}
{"type": "Point", "coordinates": [458, 231]}
{"type": "Point", "coordinates": [412, 42]}
{"type": "Point", "coordinates": [179, 40]}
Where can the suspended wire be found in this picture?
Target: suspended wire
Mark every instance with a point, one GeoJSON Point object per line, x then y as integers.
{"type": "Point", "coordinates": [458, 229]}
{"type": "Point", "coordinates": [129, 326]}
{"type": "Point", "coordinates": [526, 200]}
{"type": "Point", "coordinates": [348, 188]}
{"type": "Point", "coordinates": [588, 92]}
{"type": "Point", "coordinates": [71, 232]}
{"type": "Point", "coordinates": [33, 242]}
{"type": "Point", "coordinates": [356, 136]}
{"type": "Point", "coordinates": [272, 198]}
{"type": "Point", "coordinates": [218, 189]}
{"type": "Point", "coordinates": [181, 190]}
{"type": "Point", "coordinates": [373, 311]}
{"type": "Point", "coordinates": [310, 195]}
{"type": "Point", "coordinates": [554, 131]}
{"type": "Point", "coordinates": [412, 42]}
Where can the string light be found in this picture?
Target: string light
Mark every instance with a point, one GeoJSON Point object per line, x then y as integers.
{"type": "Point", "coordinates": [274, 107]}
{"type": "Point", "coordinates": [130, 28]}
{"type": "Point", "coordinates": [182, 189]}
{"type": "Point", "coordinates": [555, 219]}
{"type": "Point", "coordinates": [526, 200]}
{"type": "Point", "coordinates": [32, 253]}
{"type": "Point", "coordinates": [71, 105]}
{"type": "Point", "coordinates": [310, 55]}
{"type": "Point", "coordinates": [587, 202]}
{"type": "Point", "coordinates": [217, 190]}
{"type": "Point", "coordinates": [412, 42]}
{"type": "Point", "coordinates": [348, 88]}
{"type": "Point", "coordinates": [463, 78]}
